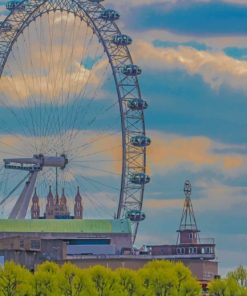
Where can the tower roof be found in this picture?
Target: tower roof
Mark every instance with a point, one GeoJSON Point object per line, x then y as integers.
{"type": "Point", "coordinates": [50, 195]}
{"type": "Point", "coordinates": [78, 195]}
{"type": "Point", "coordinates": [63, 199]}
{"type": "Point", "coordinates": [35, 196]}
{"type": "Point", "coordinates": [188, 220]}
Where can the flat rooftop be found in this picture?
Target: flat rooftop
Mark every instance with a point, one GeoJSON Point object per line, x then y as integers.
{"type": "Point", "coordinates": [65, 226]}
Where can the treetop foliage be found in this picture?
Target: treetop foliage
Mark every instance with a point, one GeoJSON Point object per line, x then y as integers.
{"type": "Point", "coordinates": [235, 284]}
{"type": "Point", "coordinates": [157, 278]}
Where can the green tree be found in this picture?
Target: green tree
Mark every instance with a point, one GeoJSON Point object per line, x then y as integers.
{"type": "Point", "coordinates": [218, 287]}
{"type": "Point", "coordinates": [105, 281]}
{"type": "Point", "coordinates": [15, 280]}
{"type": "Point", "coordinates": [73, 281]}
{"type": "Point", "coordinates": [240, 275]}
{"type": "Point", "coordinates": [186, 284]}
{"type": "Point", "coordinates": [44, 281]}
{"type": "Point", "coordinates": [159, 278]}
{"type": "Point", "coordinates": [129, 282]}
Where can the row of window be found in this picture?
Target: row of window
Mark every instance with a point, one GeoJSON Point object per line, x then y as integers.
{"type": "Point", "coordinates": [195, 250]}
{"type": "Point", "coordinates": [34, 244]}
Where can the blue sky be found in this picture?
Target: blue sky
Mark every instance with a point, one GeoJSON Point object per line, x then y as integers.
{"type": "Point", "coordinates": [194, 55]}
{"type": "Point", "coordinates": [194, 61]}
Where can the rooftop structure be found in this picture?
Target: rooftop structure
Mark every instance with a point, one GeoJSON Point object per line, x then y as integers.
{"type": "Point", "coordinates": [189, 245]}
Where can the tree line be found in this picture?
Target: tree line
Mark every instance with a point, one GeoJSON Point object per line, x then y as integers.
{"type": "Point", "coordinates": [157, 278]}
{"type": "Point", "coordinates": [234, 284]}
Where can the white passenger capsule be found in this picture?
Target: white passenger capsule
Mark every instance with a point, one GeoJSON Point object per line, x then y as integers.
{"type": "Point", "coordinates": [109, 15]}
{"type": "Point", "coordinates": [137, 104]}
{"type": "Point", "coordinates": [140, 179]}
{"type": "Point", "coordinates": [121, 40]}
{"type": "Point", "coordinates": [131, 70]}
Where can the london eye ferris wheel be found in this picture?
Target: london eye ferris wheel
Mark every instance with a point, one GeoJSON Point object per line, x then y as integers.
{"type": "Point", "coordinates": [71, 109]}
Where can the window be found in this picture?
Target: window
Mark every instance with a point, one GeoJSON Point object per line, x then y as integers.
{"type": "Point", "coordinates": [193, 250]}
{"type": "Point", "coordinates": [35, 245]}
{"type": "Point", "coordinates": [190, 235]}
{"type": "Point", "coordinates": [22, 244]}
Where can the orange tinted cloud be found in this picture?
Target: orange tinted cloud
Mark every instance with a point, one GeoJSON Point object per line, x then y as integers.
{"type": "Point", "coordinates": [169, 152]}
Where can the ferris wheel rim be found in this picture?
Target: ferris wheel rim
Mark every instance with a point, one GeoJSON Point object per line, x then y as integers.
{"type": "Point", "coordinates": [91, 15]}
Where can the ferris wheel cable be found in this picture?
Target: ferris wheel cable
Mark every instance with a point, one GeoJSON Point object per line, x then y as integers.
{"type": "Point", "coordinates": [50, 67]}
{"type": "Point", "coordinates": [99, 137]}
{"type": "Point", "coordinates": [97, 205]}
{"type": "Point", "coordinates": [77, 75]}
{"type": "Point", "coordinates": [24, 110]}
{"type": "Point", "coordinates": [77, 131]}
{"type": "Point", "coordinates": [107, 196]}
{"type": "Point", "coordinates": [81, 94]}
{"type": "Point", "coordinates": [11, 110]}
{"type": "Point", "coordinates": [99, 151]}
{"type": "Point", "coordinates": [14, 189]}
{"type": "Point", "coordinates": [58, 77]}
{"type": "Point", "coordinates": [17, 60]}
{"type": "Point", "coordinates": [96, 161]}
{"type": "Point", "coordinates": [68, 93]}
{"type": "Point", "coordinates": [98, 170]}
{"type": "Point", "coordinates": [98, 182]}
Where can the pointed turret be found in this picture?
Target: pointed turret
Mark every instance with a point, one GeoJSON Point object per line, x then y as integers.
{"type": "Point", "coordinates": [57, 205]}
{"type": "Point", "coordinates": [188, 231]}
{"type": "Point", "coordinates": [50, 205]}
{"type": "Point", "coordinates": [35, 209]}
{"type": "Point", "coordinates": [63, 204]}
{"type": "Point", "coordinates": [78, 208]}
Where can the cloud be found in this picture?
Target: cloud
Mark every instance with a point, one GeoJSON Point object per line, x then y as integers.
{"type": "Point", "coordinates": [216, 68]}
{"type": "Point", "coordinates": [48, 63]}
{"type": "Point", "coordinates": [213, 196]}
{"type": "Point", "coordinates": [170, 152]}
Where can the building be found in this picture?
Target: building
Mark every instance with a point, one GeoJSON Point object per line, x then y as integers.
{"type": "Point", "coordinates": [30, 242]}
{"type": "Point", "coordinates": [195, 252]}
{"type": "Point", "coordinates": [63, 238]}
{"type": "Point", "coordinates": [56, 207]}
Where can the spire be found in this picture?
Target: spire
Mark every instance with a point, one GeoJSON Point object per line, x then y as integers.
{"type": "Point", "coordinates": [63, 204]}
{"type": "Point", "coordinates": [49, 213]}
{"type": "Point", "coordinates": [35, 209]}
{"type": "Point", "coordinates": [78, 208]}
{"type": "Point", "coordinates": [188, 231]}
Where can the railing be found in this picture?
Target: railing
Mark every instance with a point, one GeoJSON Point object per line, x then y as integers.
{"type": "Point", "coordinates": [205, 241]}
{"type": "Point", "coordinates": [141, 257]}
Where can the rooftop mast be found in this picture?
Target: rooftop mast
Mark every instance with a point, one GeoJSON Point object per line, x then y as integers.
{"type": "Point", "coordinates": [188, 231]}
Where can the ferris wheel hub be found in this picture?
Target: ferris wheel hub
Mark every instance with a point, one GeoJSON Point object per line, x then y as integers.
{"type": "Point", "coordinates": [36, 163]}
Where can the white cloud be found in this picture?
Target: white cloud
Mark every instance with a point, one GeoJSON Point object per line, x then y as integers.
{"type": "Point", "coordinates": [216, 68]}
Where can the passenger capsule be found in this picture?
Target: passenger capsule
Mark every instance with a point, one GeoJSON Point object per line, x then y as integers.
{"type": "Point", "coordinates": [131, 70]}
{"type": "Point", "coordinates": [12, 5]}
{"type": "Point", "coordinates": [5, 27]}
{"type": "Point", "coordinates": [140, 141]}
{"type": "Point", "coordinates": [140, 179]}
{"type": "Point", "coordinates": [135, 215]}
{"type": "Point", "coordinates": [121, 40]}
{"type": "Point", "coordinates": [109, 15]}
{"type": "Point", "coordinates": [137, 104]}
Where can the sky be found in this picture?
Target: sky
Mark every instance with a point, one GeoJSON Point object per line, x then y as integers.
{"type": "Point", "coordinates": [194, 60]}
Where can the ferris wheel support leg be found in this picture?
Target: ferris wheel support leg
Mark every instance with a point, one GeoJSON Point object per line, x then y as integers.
{"type": "Point", "coordinates": [19, 211]}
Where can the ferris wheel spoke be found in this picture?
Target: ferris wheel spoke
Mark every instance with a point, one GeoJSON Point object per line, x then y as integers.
{"type": "Point", "coordinates": [95, 169]}
{"type": "Point", "coordinates": [98, 206]}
